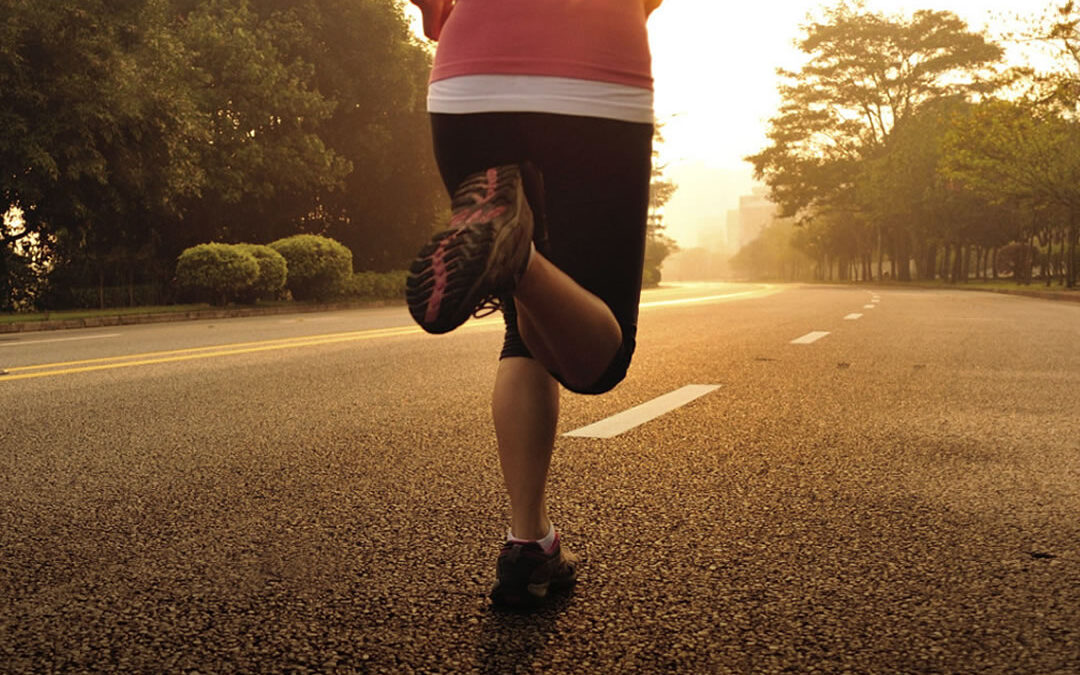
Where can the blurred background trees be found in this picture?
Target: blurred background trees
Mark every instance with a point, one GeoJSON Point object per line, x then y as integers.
{"type": "Point", "coordinates": [131, 130]}
{"type": "Point", "coordinates": [906, 148]}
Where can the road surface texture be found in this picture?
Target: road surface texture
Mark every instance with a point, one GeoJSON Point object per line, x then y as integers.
{"type": "Point", "coordinates": [883, 481]}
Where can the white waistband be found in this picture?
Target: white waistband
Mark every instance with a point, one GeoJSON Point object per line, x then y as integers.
{"type": "Point", "coordinates": [535, 93]}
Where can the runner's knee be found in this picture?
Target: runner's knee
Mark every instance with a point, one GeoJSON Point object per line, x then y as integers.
{"type": "Point", "coordinates": [615, 373]}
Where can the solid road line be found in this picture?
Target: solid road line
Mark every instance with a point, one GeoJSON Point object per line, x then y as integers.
{"type": "Point", "coordinates": [638, 415]}
{"type": "Point", "coordinates": [766, 289]}
{"type": "Point", "coordinates": [194, 353]}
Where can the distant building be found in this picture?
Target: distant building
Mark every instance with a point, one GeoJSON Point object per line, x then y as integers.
{"type": "Point", "coordinates": [756, 212]}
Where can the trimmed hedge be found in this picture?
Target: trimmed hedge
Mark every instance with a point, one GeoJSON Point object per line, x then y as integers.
{"type": "Point", "coordinates": [273, 272]}
{"type": "Point", "coordinates": [221, 273]}
{"type": "Point", "coordinates": [377, 285]}
{"type": "Point", "coordinates": [216, 273]}
{"type": "Point", "coordinates": [319, 267]}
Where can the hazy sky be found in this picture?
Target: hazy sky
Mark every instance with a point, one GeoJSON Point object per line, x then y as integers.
{"type": "Point", "coordinates": [714, 63]}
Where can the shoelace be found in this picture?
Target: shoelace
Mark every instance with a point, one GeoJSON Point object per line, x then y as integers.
{"type": "Point", "coordinates": [488, 307]}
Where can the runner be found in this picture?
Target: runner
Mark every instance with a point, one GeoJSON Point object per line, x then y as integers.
{"type": "Point", "coordinates": [542, 124]}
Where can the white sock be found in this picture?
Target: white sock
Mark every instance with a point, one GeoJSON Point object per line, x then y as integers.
{"type": "Point", "coordinates": [546, 543]}
{"type": "Point", "coordinates": [532, 252]}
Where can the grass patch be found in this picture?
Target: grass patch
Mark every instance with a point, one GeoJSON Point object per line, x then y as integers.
{"type": "Point", "coordinates": [27, 317]}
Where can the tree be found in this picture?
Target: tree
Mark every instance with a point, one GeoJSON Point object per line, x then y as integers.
{"type": "Point", "coordinates": [658, 246]}
{"type": "Point", "coordinates": [96, 128]}
{"type": "Point", "coordinates": [905, 190]}
{"type": "Point", "coordinates": [1023, 154]}
{"type": "Point", "coordinates": [131, 130]}
{"type": "Point", "coordinates": [266, 160]}
{"type": "Point", "coordinates": [865, 75]}
{"type": "Point", "coordinates": [368, 64]}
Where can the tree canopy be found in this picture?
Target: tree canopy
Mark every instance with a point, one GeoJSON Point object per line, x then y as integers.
{"type": "Point", "coordinates": [133, 129]}
{"type": "Point", "coordinates": [899, 137]}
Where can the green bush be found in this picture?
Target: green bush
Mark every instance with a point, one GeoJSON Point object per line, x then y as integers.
{"type": "Point", "coordinates": [215, 273]}
{"type": "Point", "coordinates": [273, 272]}
{"type": "Point", "coordinates": [319, 267]}
{"type": "Point", "coordinates": [377, 285]}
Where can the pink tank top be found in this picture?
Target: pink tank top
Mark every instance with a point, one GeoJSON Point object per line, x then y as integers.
{"type": "Point", "coordinates": [601, 40]}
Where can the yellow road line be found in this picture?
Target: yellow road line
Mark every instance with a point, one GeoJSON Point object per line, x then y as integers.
{"type": "Point", "coordinates": [197, 353]}
{"type": "Point", "coordinates": [213, 351]}
{"type": "Point", "coordinates": [379, 332]}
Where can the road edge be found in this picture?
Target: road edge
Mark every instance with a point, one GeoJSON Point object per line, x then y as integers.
{"type": "Point", "coordinates": [194, 315]}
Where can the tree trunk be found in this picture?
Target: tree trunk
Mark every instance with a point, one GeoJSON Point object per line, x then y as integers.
{"type": "Point", "coordinates": [1029, 260]}
{"type": "Point", "coordinates": [903, 250]}
{"type": "Point", "coordinates": [1048, 270]}
{"type": "Point", "coordinates": [993, 263]}
{"type": "Point", "coordinates": [1070, 255]}
{"type": "Point", "coordinates": [101, 287]}
{"type": "Point", "coordinates": [880, 256]}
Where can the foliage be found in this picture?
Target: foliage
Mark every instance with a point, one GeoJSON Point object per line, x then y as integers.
{"type": "Point", "coordinates": [834, 153]}
{"type": "Point", "coordinates": [17, 280]}
{"type": "Point", "coordinates": [216, 273]}
{"type": "Point", "coordinates": [273, 272]}
{"type": "Point", "coordinates": [130, 131]}
{"type": "Point", "coordinates": [658, 246]}
{"type": "Point", "coordinates": [319, 267]}
{"type": "Point", "coordinates": [377, 285]}
{"type": "Point", "coordinates": [866, 73]}
{"type": "Point", "coordinates": [1019, 153]}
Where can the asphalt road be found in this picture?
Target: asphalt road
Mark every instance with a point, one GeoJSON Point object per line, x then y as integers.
{"type": "Point", "coordinates": [321, 493]}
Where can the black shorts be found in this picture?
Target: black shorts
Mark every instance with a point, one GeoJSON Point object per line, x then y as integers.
{"type": "Point", "coordinates": [587, 182]}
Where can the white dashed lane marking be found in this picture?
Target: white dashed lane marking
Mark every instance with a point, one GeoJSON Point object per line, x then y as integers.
{"type": "Point", "coordinates": [852, 317]}
{"type": "Point", "coordinates": [869, 306]}
{"type": "Point", "coordinates": [638, 415]}
{"type": "Point", "coordinates": [810, 338]}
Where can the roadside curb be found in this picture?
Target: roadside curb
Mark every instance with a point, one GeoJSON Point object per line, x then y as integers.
{"type": "Point", "coordinates": [1065, 296]}
{"type": "Point", "coordinates": [195, 315]}
{"type": "Point", "coordinates": [1061, 296]}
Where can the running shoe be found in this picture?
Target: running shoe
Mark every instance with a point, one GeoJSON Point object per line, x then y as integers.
{"type": "Point", "coordinates": [527, 575]}
{"type": "Point", "coordinates": [479, 258]}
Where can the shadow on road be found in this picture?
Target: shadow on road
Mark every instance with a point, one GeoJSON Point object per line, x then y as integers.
{"type": "Point", "coordinates": [512, 642]}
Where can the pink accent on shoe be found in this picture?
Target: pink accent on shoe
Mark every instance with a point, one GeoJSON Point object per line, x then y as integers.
{"type": "Point", "coordinates": [438, 260]}
{"type": "Point", "coordinates": [438, 270]}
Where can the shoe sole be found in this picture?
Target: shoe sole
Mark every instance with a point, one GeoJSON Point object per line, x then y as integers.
{"type": "Point", "coordinates": [534, 594]}
{"type": "Point", "coordinates": [459, 268]}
